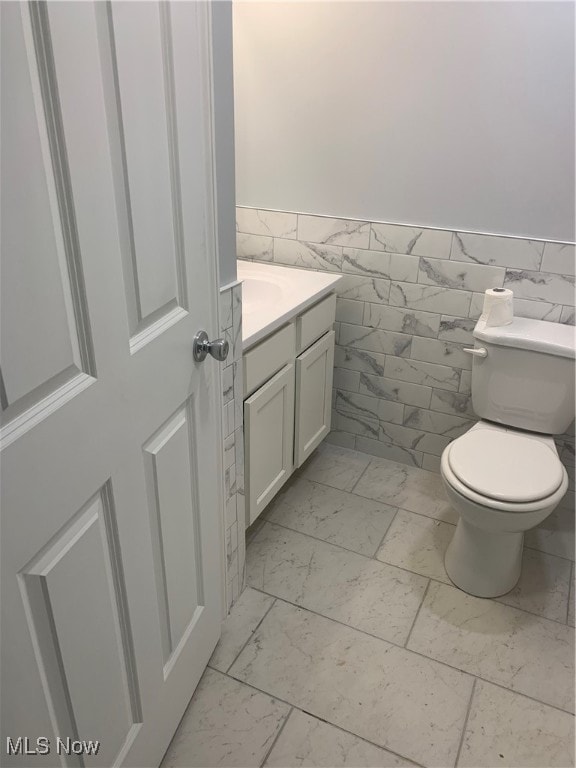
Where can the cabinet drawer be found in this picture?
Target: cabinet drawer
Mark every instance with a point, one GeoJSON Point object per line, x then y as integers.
{"type": "Point", "coordinates": [316, 321]}
{"type": "Point", "coordinates": [268, 440]}
{"type": "Point", "coordinates": [263, 360]}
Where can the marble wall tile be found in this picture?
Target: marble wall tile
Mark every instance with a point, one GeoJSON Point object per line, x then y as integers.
{"type": "Point", "coordinates": [457, 403]}
{"type": "Point", "coordinates": [430, 298]}
{"type": "Point", "coordinates": [339, 438]}
{"type": "Point", "coordinates": [295, 253]}
{"type": "Point", "coordinates": [375, 340]}
{"type": "Point", "coordinates": [379, 301]}
{"type": "Point", "coordinates": [456, 329]}
{"type": "Point", "coordinates": [254, 247]}
{"type": "Point", "coordinates": [452, 274]}
{"type": "Point", "coordinates": [396, 699]}
{"type": "Point", "coordinates": [439, 423]}
{"type": "Point", "coordinates": [511, 252]}
{"type": "Point", "coordinates": [334, 582]}
{"type": "Point", "coordinates": [225, 310]}
{"type": "Point", "coordinates": [394, 390]}
{"type": "Point", "coordinates": [247, 613]}
{"type": "Point", "coordinates": [411, 240]}
{"type": "Point", "coordinates": [407, 488]}
{"type": "Point", "coordinates": [418, 544]}
{"type": "Point", "coordinates": [441, 352]}
{"type": "Point", "coordinates": [389, 451]}
{"type": "Point", "coordinates": [408, 321]}
{"type": "Point", "coordinates": [307, 741]}
{"type": "Point", "coordinates": [253, 221]}
{"type": "Point", "coordinates": [390, 266]}
{"type": "Point", "coordinates": [559, 258]}
{"type": "Point", "coordinates": [460, 629]}
{"type": "Point", "coordinates": [323, 229]}
{"type": "Point", "coordinates": [346, 379]}
{"type": "Point", "coordinates": [415, 439]}
{"type": "Point", "coordinates": [465, 382]}
{"type": "Point", "coordinates": [334, 466]}
{"type": "Point", "coordinates": [537, 310]}
{"type": "Point", "coordinates": [543, 286]}
{"type": "Point", "coordinates": [431, 463]}
{"type": "Point", "coordinates": [505, 726]}
{"type": "Point", "coordinates": [372, 407]}
{"type": "Point", "coordinates": [359, 360]}
{"type": "Point", "coordinates": [349, 311]}
{"type": "Point", "coordinates": [357, 425]}
{"type": "Point", "coordinates": [213, 729]}
{"type": "Point", "coordinates": [364, 288]}
{"type": "Point", "coordinates": [332, 515]}
{"type": "Point", "coordinates": [233, 445]}
{"type": "Point", "coordinates": [418, 372]}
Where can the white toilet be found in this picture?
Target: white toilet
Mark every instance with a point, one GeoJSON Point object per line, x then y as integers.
{"type": "Point", "coordinates": [504, 475]}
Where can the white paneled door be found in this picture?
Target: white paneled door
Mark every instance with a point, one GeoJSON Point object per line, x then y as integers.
{"type": "Point", "coordinates": [111, 556]}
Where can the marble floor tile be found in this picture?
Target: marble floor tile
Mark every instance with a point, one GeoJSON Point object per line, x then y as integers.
{"type": "Point", "coordinates": [226, 724]}
{"type": "Point", "coordinates": [248, 611]}
{"type": "Point", "coordinates": [339, 467]}
{"type": "Point", "coordinates": [555, 535]}
{"type": "Point", "coordinates": [311, 743]}
{"type": "Point", "coordinates": [518, 650]}
{"type": "Point", "coordinates": [510, 730]}
{"type": "Point", "coordinates": [418, 544]}
{"type": "Point", "coordinates": [396, 699]}
{"type": "Point", "coordinates": [543, 587]}
{"type": "Point", "coordinates": [332, 515]}
{"type": "Point", "coordinates": [410, 488]}
{"type": "Point", "coordinates": [335, 582]}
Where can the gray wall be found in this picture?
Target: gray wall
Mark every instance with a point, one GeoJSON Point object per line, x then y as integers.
{"type": "Point", "coordinates": [445, 114]}
{"type": "Point", "coordinates": [224, 136]}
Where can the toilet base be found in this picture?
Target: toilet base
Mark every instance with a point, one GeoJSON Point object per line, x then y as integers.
{"type": "Point", "coordinates": [483, 563]}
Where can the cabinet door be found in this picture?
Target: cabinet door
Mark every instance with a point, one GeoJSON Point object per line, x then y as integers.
{"type": "Point", "coordinates": [269, 440]}
{"type": "Point", "coordinates": [314, 370]}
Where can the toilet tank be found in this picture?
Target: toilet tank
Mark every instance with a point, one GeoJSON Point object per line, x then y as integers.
{"type": "Point", "coordinates": [526, 379]}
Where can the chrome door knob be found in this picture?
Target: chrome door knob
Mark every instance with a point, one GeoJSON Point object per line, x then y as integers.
{"type": "Point", "coordinates": [202, 346]}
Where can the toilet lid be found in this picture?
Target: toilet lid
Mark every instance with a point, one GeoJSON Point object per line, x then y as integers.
{"type": "Point", "coordinates": [505, 465]}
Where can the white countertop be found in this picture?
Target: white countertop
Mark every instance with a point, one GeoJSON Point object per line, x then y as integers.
{"type": "Point", "coordinates": [272, 295]}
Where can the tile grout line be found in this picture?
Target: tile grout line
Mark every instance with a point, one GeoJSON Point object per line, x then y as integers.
{"type": "Point", "coordinates": [417, 614]}
{"type": "Point", "coordinates": [410, 650]}
{"type": "Point", "coordinates": [252, 633]}
{"type": "Point", "coordinates": [465, 725]}
{"type": "Point", "coordinates": [275, 739]}
{"type": "Point", "coordinates": [406, 570]}
{"type": "Point", "coordinates": [295, 708]}
{"type": "Point", "coordinates": [379, 547]}
{"type": "Point", "coordinates": [359, 477]}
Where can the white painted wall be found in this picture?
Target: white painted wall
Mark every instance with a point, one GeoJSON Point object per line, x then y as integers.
{"type": "Point", "coordinates": [222, 73]}
{"type": "Point", "coordinates": [448, 114]}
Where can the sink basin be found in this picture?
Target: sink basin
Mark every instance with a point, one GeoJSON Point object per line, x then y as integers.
{"type": "Point", "coordinates": [257, 293]}
{"type": "Point", "coordinates": [273, 295]}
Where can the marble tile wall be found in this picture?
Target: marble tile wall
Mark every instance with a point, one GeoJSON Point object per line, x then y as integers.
{"type": "Point", "coordinates": [233, 440]}
{"type": "Point", "coordinates": [407, 305]}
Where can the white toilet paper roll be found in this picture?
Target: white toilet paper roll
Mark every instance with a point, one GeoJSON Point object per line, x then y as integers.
{"type": "Point", "coordinates": [498, 307]}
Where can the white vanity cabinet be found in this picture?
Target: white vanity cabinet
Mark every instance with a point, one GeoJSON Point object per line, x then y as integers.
{"type": "Point", "coordinates": [288, 389]}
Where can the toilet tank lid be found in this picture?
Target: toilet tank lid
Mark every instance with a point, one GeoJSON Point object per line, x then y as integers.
{"type": "Point", "coordinates": [525, 333]}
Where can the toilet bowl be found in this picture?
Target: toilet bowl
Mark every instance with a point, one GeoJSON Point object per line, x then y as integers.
{"type": "Point", "coordinates": [502, 482]}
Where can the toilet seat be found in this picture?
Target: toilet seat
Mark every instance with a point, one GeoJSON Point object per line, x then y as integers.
{"type": "Point", "coordinates": [505, 465]}
{"type": "Point", "coordinates": [480, 479]}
